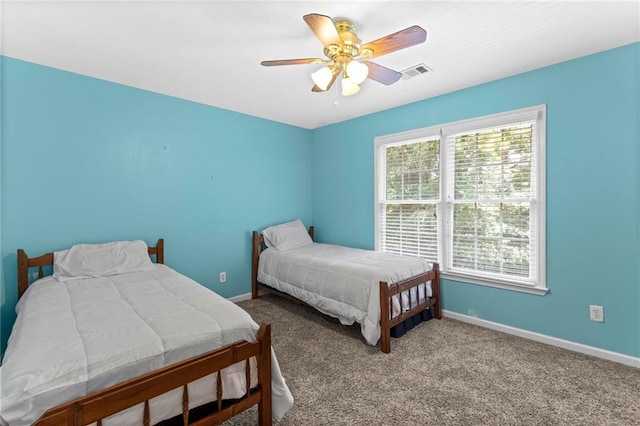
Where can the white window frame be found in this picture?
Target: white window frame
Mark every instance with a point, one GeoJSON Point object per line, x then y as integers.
{"type": "Point", "coordinates": [537, 113]}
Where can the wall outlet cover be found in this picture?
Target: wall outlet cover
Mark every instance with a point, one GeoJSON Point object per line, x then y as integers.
{"type": "Point", "coordinates": [596, 313]}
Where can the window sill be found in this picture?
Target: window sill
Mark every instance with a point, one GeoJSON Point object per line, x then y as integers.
{"type": "Point", "coordinates": [538, 291]}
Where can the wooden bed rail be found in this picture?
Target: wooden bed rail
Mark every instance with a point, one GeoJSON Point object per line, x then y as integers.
{"type": "Point", "coordinates": [101, 404]}
{"type": "Point", "coordinates": [25, 262]}
{"type": "Point", "coordinates": [388, 291]}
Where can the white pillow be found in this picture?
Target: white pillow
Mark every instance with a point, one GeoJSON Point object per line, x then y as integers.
{"type": "Point", "coordinates": [101, 260]}
{"type": "Point", "coordinates": [287, 236]}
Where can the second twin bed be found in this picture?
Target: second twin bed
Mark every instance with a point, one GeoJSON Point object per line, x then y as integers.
{"type": "Point", "coordinates": [375, 289]}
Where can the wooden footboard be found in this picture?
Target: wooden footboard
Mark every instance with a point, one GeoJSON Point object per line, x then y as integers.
{"type": "Point", "coordinates": [402, 290]}
{"type": "Point", "coordinates": [98, 405]}
{"type": "Point", "coordinates": [387, 293]}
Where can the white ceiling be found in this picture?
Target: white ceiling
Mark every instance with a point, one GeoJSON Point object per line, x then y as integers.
{"type": "Point", "coordinates": [210, 52]}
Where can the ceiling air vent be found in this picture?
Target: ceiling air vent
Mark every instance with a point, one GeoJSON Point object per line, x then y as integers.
{"type": "Point", "coordinates": [415, 71]}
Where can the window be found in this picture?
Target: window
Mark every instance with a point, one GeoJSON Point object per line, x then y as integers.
{"type": "Point", "coordinates": [470, 195]}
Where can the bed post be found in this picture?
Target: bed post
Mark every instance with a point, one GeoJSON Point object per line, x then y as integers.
{"type": "Point", "coordinates": [160, 251]}
{"type": "Point", "coordinates": [264, 375]}
{"type": "Point", "coordinates": [385, 330]}
{"type": "Point", "coordinates": [435, 289]}
{"type": "Point", "coordinates": [254, 264]}
{"type": "Point", "coordinates": [23, 272]}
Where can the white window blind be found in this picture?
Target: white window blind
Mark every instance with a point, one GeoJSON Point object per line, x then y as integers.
{"type": "Point", "coordinates": [491, 187]}
{"type": "Point", "coordinates": [470, 195]}
{"type": "Point", "coordinates": [410, 192]}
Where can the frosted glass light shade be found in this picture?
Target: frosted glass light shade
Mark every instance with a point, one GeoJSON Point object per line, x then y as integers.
{"type": "Point", "coordinates": [349, 87]}
{"type": "Point", "coordinates": [322, 77]}
{"type": "Point", "coordinates": [357, 71]}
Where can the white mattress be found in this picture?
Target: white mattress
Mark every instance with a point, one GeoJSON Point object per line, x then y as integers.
{"type": "Point", "coordinates": [80, 336]}
{"type": "Point", "coordinates": [342, 282]}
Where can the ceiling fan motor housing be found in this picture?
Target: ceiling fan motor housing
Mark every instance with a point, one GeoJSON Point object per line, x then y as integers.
{"type": "Point", "coordinates": [350, 42]}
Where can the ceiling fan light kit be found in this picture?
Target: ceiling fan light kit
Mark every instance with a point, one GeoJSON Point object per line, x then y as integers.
{"type": "Point", "coordinates": [322, 77]}
{"type": "Point", "coordinates": [342, 46]}
{"type": "Point", "coordinates": [356, 72]}
{"type": "Point", "coordinates": [349, 87]}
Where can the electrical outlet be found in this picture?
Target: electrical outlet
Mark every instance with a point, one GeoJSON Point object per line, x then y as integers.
{"type": "Point", "coordinates": [596, 313]}
{"type": "Point", "coordinates": [223, 277]}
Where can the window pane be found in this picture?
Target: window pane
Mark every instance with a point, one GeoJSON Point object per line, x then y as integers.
{"type": "Point", "coordinates": [430, 182]}
{"type": "Point", "coordinates": [411, 187]}
{"type": "Point", "coordinates": [516, 257]}
{"type": "Point", "coordinates": [516, 218]}
{"type": "Point", "coordinates": [464, 252]}
{"type": "Point", "coordinates": [488, 255]}
{"type": "Point", "coordinates": [413, 171]}
{"type": "Point", "coordinates": [430, 170]}
{"type": "Point", "coordinates": [411, 229]}
{"type": "Point", "coordinates": [394, 186]}
{"type": "Point", "coordinates": [494, 163]}
{"type": "Point", "coordinates": [477, 219]}
{"type": "Point", "coordinates": [491, 237]}
{"type": "Point", "coordinates": [464, 219]}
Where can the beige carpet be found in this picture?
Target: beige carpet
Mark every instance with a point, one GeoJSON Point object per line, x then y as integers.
{"type": "Point", "coordinates": [441, 373]}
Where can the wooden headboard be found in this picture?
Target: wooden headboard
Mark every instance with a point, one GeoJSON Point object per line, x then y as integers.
{"type": "Point", "coordinates": [24, 263]}
{"type": "Point", "coordinates": [258, 246]}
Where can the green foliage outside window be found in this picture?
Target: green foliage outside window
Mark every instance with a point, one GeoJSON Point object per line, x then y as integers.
{"type": "Point", "coordinates": [491, 210]}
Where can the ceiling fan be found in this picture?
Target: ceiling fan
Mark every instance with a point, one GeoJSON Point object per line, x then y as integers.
{"type": "Point", "coordinates": [342, 47]}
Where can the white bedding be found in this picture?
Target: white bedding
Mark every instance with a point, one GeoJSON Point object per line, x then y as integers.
{"type": "Point", "coordinates": [75, 337]}
{"type": "Point", "coordinates": [342, 282]}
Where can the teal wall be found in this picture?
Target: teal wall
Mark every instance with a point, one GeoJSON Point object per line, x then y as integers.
{"type": "Point", "coordinates": [593, 213]}
{"type": "Point", "coordinates": [84, 160]}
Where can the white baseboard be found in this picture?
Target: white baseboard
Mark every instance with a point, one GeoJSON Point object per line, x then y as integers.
{"type": "Point", "coordinates": [543, 338]}
{"type": "Point", "coordinates": [240, 298]}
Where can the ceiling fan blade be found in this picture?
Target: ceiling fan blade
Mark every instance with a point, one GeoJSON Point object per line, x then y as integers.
{"type": "Point", "coordinates": [396, 41]}
{"type": "Point", "coordinates": [317, 89]}
{"type": "Point", "coordinates": [382, 74]}
{"type": "Point", "coordinates": [324, 28]}
{"type": "Point", "coordinates": [293, 62]}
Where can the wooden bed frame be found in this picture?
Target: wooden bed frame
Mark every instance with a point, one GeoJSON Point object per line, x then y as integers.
{"type": "Point", "coordinates": [387, 291]}
{"type": "Point", "coordinates": [100, 404]}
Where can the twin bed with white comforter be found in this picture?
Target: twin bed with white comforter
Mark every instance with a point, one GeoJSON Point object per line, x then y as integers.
{"type": "Point", "coordinates": [342, 281]}
{"type": "Point", "coordinates": [375, 289]}
{"type": "Point", "coordinates": [76, 335]}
